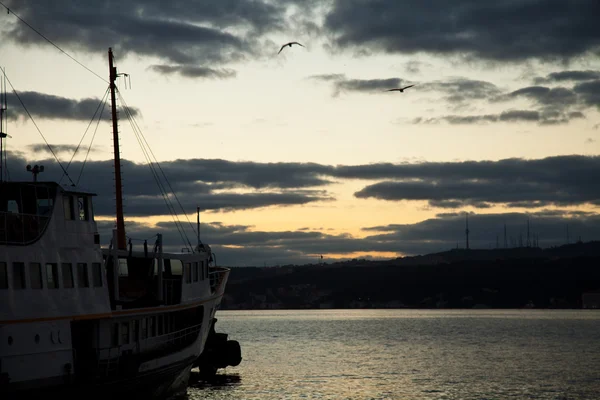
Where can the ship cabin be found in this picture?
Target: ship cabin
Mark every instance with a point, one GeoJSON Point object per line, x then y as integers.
{"type": "Point", "coordinates": [49, 242]}
{"type": "Point", "coordinates": [27, 209]}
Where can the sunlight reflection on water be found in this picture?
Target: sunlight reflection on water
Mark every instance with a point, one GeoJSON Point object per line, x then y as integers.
{"type": "Point", "coordinates": [410, 354]}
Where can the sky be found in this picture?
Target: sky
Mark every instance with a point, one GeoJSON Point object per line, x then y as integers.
{"type": "Point", "coordinates": [303, 153]}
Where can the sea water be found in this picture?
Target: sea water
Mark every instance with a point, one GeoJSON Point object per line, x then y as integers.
{"type": "Point", "coordinates": [410, 354]}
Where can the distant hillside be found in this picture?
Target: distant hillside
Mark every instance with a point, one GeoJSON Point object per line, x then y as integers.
{"type": "Point", "coordinates": [495, 278]}
{"type": "Point", "coordinates": [580, 249]}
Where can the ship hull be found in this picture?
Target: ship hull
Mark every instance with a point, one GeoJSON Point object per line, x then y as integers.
{"type": "Point", "coordinates": [161, 383]}
{"type": "Point", "coordinates": [159, 377]}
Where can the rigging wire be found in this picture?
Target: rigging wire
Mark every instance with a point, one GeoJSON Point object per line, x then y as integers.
{"type": "Point", "coordinates": [50, 41]}
{"type": "Point", "coordinates": [165, 195]}
{"type": "Point", "coordinates": [101, 104]}
{"type": "Point", "coordinates": [159, 167]}
{"type": "Point", "coordinates": [158, 182]}
{"type": "Point", "coordinates": [92, 141]}
{"type": "Point", "coordinates": [39, 131]}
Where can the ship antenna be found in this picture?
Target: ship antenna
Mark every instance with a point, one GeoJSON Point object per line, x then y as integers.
{"type": "Point", "coordinates": [528, 241]}
{"type": "Point", "coordinates": [198, 224]}
{"type": "Point", "coordinates": [467, 230]}
{"type": "Point", "coordinates": [121, 244]}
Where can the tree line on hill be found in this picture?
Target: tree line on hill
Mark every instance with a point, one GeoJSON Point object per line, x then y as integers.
{"type": "Point", "coordinates": [515, 278]}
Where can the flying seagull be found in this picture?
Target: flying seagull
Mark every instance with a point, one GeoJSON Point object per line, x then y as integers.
{"type": "Point", "coordinates": [400, 89]}
{"type": "Point", "coordinates": [288, 44]}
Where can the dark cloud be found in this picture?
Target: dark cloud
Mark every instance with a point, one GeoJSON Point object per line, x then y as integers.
{"type": "Point", "coordinates": [559, 103]}
{"type": "Point", "coordinates": [56, 148]}
{"type": "Point", "coordinates": [563, 180]}
{"type": "Point", "coordinates": [47, 106]}
{"type": "Point", "coordinates": [181, 31]}
{"type": "Point", "coordinates": [447, 230]}
{"type": "Point", "coordinates": [242, 245]}
{"type": "Point", "coordinates": [139, 205]}
{"type": "Point", "coordinates": [457, 90]}
{"type": "Point", "coordinates": [415, 67]}
{"type": "Point", "coordinates": [328, 77]}
{"type": "Point", "coordinates": [222, 185]}
{"type": "Point", "coordinates": [239, 245]}
{"type": "Point", "coordinates": [547, 117]}
{"type": "Point", "coordinates": [563, 76]}
{"type": "Point", "coordinates": [502, 31]}
{"type": "Point", "coordinates": [589, 93]}
{"type": "Point", "coordinates": [367, 85]}
{"type": "Point", "coordinates": [545, 96]}
{"type": "Point", "coordinates": [343, 84]}
{"type": "Point", "coordinates": [190, 71]}
{"type": "Point", "coordinates": [216, 185]}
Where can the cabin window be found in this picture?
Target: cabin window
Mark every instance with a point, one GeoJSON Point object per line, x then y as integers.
{"type": "Point", "coordinates": [83, 279]}
{"type": "Point", "coordinates": [3, 276]}
{"type": "Point", "coordinates": [18, 275]}
{"type": "Point", "coordinates": [67, 275]}
{"type": "Point", "coordinates": [124, 332]}
{"type": "Point", "coordinates": [97, 274]}
{"type": "Point", "coordinates": [82, 203]}
{"type": "Point", "coordinates": [159, 324]}
{"type": "Point", "coordinates": [136, 330]}
{"type": "Point", "coordinates": [188, 272]}
{"type": "Point", "coordinates": [144, 328]}
{"type": "Point", "coordinates": [195, 272]}
{"type": "Point", "coordinates": [12, 206]}
{"type": "Point", "coordinates": [44, 206]}
{"type": "Point", "coordinates": [68, 207]}
{"type": "Point", "coordinates": [176, 267]}
{"type": "Point", "coordinates": [35, 275]}
{"type": "Point", "coordinates": [169, 323]}
{"type": "Point", "coordinates": [151, 327]}
{"type": "Point", "coordinates": [90, 208]}
{"type": "Point", "coordinates": [52, 275]}
{"type": "Point", "coordinates": [123, 268]}
{"type": "Point", "coordinates": [114, 335]}
{"type": "Point", "coordinates": [156, 267]}
{"type": "Point", "coordinates": [202, 270]}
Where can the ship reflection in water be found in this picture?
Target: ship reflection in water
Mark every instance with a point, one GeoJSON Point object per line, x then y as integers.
{"type": "Point", "coordinates": [219, 386]}
{"type": "Point", "coordinates": [219, 381]}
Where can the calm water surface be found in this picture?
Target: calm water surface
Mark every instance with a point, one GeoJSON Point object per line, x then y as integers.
{"type": "Point", "coordinates": [410, 354]}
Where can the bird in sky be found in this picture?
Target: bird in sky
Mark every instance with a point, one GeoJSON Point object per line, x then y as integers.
{"type": "Point", "coordinates": [400, 89]}
{"type": "Point", "coordinates": [290, 45]}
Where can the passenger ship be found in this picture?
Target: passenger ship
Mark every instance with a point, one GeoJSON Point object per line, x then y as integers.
{"type": "Point", "coordinates": [116, 320]}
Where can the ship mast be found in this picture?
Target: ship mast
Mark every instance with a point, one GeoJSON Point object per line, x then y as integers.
{"type": "Point", "coordinates": [3, 135]}
{"type": "Point", "coordinates": [121, 243]}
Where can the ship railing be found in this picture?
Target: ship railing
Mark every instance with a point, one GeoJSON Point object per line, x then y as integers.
{"type": "Point", "coordinates": [174, 338]}
{"type": "Point", "coordinates": [18, 228]}
{"type": "Point", "coordinates": [109, 358]}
